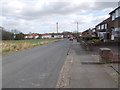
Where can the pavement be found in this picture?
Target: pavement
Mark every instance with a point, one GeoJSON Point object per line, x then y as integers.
{"type": "Point", "coordinates": [83, 70]}
{"type": "Point", "coordinates": [38, 67]}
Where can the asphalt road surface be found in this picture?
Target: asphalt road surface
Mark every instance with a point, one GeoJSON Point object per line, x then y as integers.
{"type": "Point", "coordinates": [38, 67]}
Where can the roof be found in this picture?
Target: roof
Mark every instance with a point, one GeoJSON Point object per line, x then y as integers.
{"type": "Point", "coordinates": [104, 21]}
{"type": "Point", "coordinates": [31, 34]}
{"type": "Point", "coordinates": [46, 34]}
{"type": "Point", "coordinates": [58, 34]}
{"type": "Point", "coordinates": [114, 10]}
{"type": "Point", "coordinates": [86, 31]}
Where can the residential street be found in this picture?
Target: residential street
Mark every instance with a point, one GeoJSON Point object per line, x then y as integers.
{"type": "Point", "coordinates": [38, 67]}
{"type": "Point", "coordinates": [49, 66]}
{"type": "Point", "coordinates": [60, 44]}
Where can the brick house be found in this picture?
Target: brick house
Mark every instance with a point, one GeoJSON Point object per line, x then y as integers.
{"type": "Point", "coordinates": [104, 29]}
{"type": "Point", "coordinates": [115, 17]}
{"type": "Point", "coordinates": [87, 32]}
{"type": "Point", "coordinates": [90, 32]}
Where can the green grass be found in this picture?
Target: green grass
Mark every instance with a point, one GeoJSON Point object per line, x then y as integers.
{"type": "Point", "coordinates": [9, 46]}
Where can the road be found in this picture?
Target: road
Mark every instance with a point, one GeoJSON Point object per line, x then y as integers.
{"type": "Point", "coordinates": [38, 67]}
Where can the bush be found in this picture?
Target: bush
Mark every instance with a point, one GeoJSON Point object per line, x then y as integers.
{"type": "Point", "coordinates": [95, 40]}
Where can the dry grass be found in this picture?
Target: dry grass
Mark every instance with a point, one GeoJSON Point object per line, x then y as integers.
{"type": "Point", "coordinates": [10, 46]}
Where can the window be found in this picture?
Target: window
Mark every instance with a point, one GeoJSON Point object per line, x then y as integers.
{"type": "Point", "coordinates": [98, 27]}
{"type": "Point", "coordinates": [105, 26]}
{"type": "Point", "coordinates": [102, 26]}
{"type": "Point", "coordinates": [117, 29]}
{"type": "Point", "coordinates": [116, 13]}
{"type": "Point", "coordinates": [119, 12]}
{"type": "Point", "coordinates": [117, 32]}
{"type": "Point", "coordinates": [113, 16]}
{"type": "Point", "coordinates": [93, 30]}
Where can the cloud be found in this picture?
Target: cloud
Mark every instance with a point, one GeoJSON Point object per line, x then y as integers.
{"type": "Point", "coordinates": [42, 15]}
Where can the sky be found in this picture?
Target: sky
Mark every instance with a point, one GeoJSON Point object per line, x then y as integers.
{"type": "Point", "coordinates": [40, 16]}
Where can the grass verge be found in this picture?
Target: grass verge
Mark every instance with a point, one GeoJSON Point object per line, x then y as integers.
{"type": "Point", "coordinates": [10, 46]}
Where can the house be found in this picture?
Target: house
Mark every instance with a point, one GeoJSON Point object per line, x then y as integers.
{"type": "Point", "coordinates": [79, 34]}
{"type": "Point", "coordinates": [115, 18]}
{"type": "Point", "coordinates": [93, 32]}
{"type": "Point", "coordinates": [46, 36]}
{"type": "Point", "coordinates": [104, 29]}
{"type": "Point", "coordinates": [58, 35]}
{"type": "Point", "coordinates": [87, 32]}
{"type": "Point", "coordinates": [67, 34]}
{"type": "Point", "coordinates": [31, 36]}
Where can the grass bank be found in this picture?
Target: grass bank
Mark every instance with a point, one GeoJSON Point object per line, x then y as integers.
{"type": "Point", "coordinates": [10, 46]}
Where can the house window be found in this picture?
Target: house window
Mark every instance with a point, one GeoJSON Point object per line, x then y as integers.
{"type": "Point", "coordinates": [98, 27]}
{"type": "Point", "coordinates": [93, 30]}
{"type": "Point", "coordinates": [117, 29]}
{"type": "Point", "coordinates": [116, 13]}
{"type": "Point", "coordinates": [113, 16]}
{"type": "Point", "coordinates": [102, 26]}
{"type": "Point", "coordinates": [116, 32]}
{"type": "Point", "coordinates": [112, 36]}
{"type": "Point", "coordinates": [119, 12]}
{"type": "Point", "coordinates": [105, 26]}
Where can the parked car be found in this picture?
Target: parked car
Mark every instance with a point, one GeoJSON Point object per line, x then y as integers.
{"type": "Point", "coordinates": [71, 38]}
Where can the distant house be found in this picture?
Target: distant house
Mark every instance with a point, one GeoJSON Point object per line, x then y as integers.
{"type": "Point", "coordinates": [31, 36]}
{"type": "Point", "coordinates": [115, 18]}
{"type": "Point", "coordinates": [90, 32]}
{"type": "Point", "coordinates": [79, 34]}
{"type": "Point", "coordinates": [87, 32]}
{"type": "Point", "coordinates": [93, 32]}
{"type": "Point", "coordinates": [58, 35]}
{"type": "Point", "coordinates": [70, 35]}
{"type": "Point", "coordinates": [46, 36]}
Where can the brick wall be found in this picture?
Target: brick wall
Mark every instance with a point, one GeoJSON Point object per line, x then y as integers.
{"type": "Point", "coordinates": [107, 56]}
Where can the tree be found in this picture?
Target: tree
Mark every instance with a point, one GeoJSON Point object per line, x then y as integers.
{"type": "Point", "coordinates": [7, 35]}
{"type": "Point", "coordinates": [19, 36]}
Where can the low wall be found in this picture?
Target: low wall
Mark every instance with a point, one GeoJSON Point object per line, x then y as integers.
{"type": "Point", "coordinates": [107, 56]}
{"type": "Point", "coordinates": [87, 46]}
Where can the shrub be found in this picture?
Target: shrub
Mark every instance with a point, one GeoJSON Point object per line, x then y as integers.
{"type": "Point", "coordinates": [95, 40]}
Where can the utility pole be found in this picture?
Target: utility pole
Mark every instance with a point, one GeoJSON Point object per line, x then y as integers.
{"type": "Point", "coordinates": [57, 26]}
{"type": "Point", "coordinates": [77, 29]}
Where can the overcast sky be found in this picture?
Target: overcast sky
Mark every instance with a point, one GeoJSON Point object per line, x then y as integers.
{"type": "Point", "coordinates": [40, 16]}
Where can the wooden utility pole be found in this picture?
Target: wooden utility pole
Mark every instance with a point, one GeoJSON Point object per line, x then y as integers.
{"type": "Point", "coordinates": [77, 29]}
{"type": "Point", "coordinates": [57, 26]}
